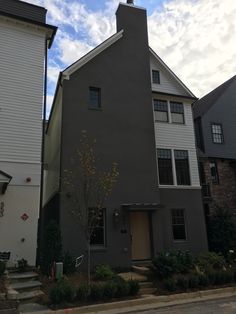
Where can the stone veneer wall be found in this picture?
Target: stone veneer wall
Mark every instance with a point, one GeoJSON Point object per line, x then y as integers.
{"type": "Point", "coordinates": [224, 193]}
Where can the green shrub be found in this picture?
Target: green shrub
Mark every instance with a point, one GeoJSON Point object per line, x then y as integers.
{"type": "Point", "coordinates": [22, 265]}
{"type": "Point", "coordinates": [170, 284]}
{"type": "Point", "coordinates": [193, 281]}
{"type": "Point", "coordinates": [103, 272]}
{"type": "Point", "coordinates": [61, 292]}
{"type": "Point", "coordinates": [182, 282]}
{"type": "Point", "coordinates": [68, 264]}
{"type": "Point", "coordinates": [222, 231]}
{"type": "Point", "coordinates": [133, 287]}
{"type": "Point", "coordinates": [2, 268]}
{"type": "Point", "coordinates": [229, 276]}
{"type": "Point", "coordinates": [210, 261]}
{"type": "Point", "coordinates": [203, 280]}
{"type": "Point", "coordinates": [168, 263]}
{"type": "Point", "coordinates": [82, 293]}
{"type": "Point", "coordinates": [123, 288]}
{"type": "Point", "coordinates": [212, 277]}
{"type": "Point", "coordinates": [97, 292]}
{"type": "Point", "coordinates": [110, 290]}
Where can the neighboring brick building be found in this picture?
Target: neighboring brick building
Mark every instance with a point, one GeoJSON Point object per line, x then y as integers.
{"type": "Point", "coordinates": [215, 125]}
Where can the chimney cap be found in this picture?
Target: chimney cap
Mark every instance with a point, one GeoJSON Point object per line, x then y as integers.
{"type": "Point", "coordinates": [130, 2]}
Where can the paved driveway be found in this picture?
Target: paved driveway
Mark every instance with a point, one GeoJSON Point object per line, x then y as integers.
{"type": "Point", "coordinates": [221, 306]}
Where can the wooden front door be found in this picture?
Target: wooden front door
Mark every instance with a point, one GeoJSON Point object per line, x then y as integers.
{"type": "Point", "coordinates": [140, 235]}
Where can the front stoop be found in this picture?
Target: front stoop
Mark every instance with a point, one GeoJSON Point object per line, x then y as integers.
{"type": "Point", "coordinates": [23, 286]}
{"type": "Point", "coordinates": [146, 286]}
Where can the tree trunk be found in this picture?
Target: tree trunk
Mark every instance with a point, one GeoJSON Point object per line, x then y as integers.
{"type": "Point", "coordinates": [89, 266]}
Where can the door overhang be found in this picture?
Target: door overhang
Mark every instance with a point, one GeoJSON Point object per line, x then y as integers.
{"type": "Point", "coordinates": [5, 179]}
{"type": "Point", "coordinates": [142, 206]}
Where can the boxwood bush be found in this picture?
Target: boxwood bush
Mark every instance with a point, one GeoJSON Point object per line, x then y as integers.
{"type": "Point", "coordinates": [168, 263]}
{"type": "Point", "coordinates": [61, 292]}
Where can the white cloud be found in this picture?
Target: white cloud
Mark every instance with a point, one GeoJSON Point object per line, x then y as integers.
{"type": "Point", "coordinates": [197, 40]}
{"type": "Point", "coordinates": [49, 105]}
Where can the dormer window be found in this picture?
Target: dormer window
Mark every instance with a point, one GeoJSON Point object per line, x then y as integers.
{"type": "Point", "coordinates": [155, 77]}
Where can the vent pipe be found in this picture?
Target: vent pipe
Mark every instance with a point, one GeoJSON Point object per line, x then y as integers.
{"type": "Point", "coordinates": [130, 2]}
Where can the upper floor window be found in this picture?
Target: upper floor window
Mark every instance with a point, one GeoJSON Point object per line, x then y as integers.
{"type": "Point", "coordinates": [214, 172]}
{"type": "Point", "coordinates": [217, 133]}
{"type": "Point", "coordinates": [161, 110]}
{"type": "Point", "coordinates": [165, 166]}
{"type": "Point", "coordinates": [177, 112]}
{"type": "Point", "coordinates": [155, 77]}
{"type": "Point", "coordinates": [178, 224]}
{"type": "Point", "coordinates": [94, 97]}
{"type": "Point", "coordinates": [182, 167]}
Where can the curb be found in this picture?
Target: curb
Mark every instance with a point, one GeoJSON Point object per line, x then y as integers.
{"type": "Point", "coordinates": [148, 302]}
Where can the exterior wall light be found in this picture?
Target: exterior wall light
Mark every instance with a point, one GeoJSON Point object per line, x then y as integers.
{"type": "Point", "coordinates": [116, 216]}
{"type": "Point", "coordinates": [4, 181]}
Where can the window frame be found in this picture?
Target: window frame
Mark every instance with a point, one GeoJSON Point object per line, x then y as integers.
{"type": "Point", "coordinates": [184, 224]}
{"type": "Point", "coordinates": [171, 102]}
{"type": "Point", "coordinates": [188, 165]}
{"type": "Point", "coordinates": [103, 245]}
{"type": "Point", "coordinates": [171, 162]}
{"type": "Point", "coordinates": [221, 134]}
{"type": "Point", "coordinates": [159, 77]}
{"type": "Point", "coordinates": [159, 110]}
{"type": "Point", "coordinates": [217, 179]}
{"type": "Point", "coordinates": [99, 106]}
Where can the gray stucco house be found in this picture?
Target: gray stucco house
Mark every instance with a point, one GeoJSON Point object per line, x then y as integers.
{"type": "Point", "coordinates": [215, 126]}
{"type": "Point", "coordinates": [140, 113]}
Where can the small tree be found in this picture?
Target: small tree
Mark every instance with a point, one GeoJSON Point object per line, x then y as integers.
{"type": "Point", "coordinates": [87, 188]}
{"type": "Point", "coordinates": [222, 231]}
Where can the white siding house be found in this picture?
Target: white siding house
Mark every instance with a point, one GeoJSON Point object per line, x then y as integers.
{"type": "Point", "coordinates": [22, 62]}
{"type": "Point", "coordinates": [169, 134]}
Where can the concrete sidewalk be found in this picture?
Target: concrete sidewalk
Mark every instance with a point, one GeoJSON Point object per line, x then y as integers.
{"type": "Point", "coordinates": [146, 302]}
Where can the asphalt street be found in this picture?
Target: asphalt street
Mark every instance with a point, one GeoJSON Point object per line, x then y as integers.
{"type": "Point", "coordinates": [221, 306]}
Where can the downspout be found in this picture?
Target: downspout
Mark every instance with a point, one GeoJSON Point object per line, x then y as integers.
{"type": "Point", "coordinates": [40, 224]}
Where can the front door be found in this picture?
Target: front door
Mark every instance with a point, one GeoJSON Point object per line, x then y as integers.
{"type": "Point", "coordinates": [140, 235]}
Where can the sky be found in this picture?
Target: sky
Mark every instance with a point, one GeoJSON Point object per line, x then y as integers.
{"type": "Point", "coordinates": [195, 38]}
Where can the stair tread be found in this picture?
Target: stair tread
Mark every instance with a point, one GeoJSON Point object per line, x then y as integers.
{"type": "Point", "coordinates": [134, 276]}
{"type": "Point", "coordinates": [25, 295]}
{"type": "Point", "coordinates": [19, 276]}
{"type": "Point", "coordinates": [25, 285]}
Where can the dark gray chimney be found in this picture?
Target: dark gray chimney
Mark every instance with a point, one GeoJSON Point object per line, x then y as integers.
{"type": "Point", "coordinates": [130, 2]}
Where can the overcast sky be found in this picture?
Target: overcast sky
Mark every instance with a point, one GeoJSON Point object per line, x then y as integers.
{"type": "Point", "coordinates": [196, 38]}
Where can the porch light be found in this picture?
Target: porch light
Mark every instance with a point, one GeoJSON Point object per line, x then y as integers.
{"type": "Point", "coordinates": [4, 181]}
{"type": "Point", "coordinates": [116, 216]}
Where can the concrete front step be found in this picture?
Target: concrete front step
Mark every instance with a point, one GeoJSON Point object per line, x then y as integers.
{"type": "Point", "coordinates": [146, 284]}
{"type": "Point", "coordinates": [25, 285]}
{"type": "Point", "coordinates": [149, 290]}
{"type": "Point", "coordinates": [133, 276]}
{"type": "Point", "coordinates": [143, 270]}
{"type": "Point", "coordinates": [16, 277]}
{"type": "Point", "coordinates": [26, 295]}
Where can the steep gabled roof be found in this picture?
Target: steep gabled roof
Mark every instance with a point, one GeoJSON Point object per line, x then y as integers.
{"type": "Point", "coordinates": [172, 73]}
{"type": "Point", "coordinates": [91, 54]}
{"type": "Point", "coordinates": [201, 106]}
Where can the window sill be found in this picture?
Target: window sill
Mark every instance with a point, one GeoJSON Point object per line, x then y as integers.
{"type": "Point", "coordinates": [98, 248]}
{"type": "Point", "coordinates": [96, 109]}
{"type": "Point", "coordinates": [180, 241]}
{"type": "Point", "coordinates": [180, 187]}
